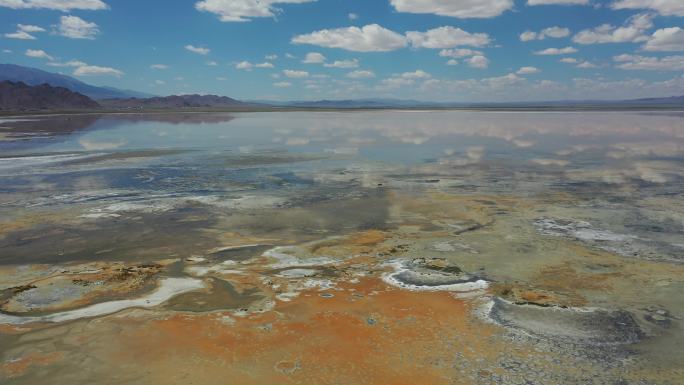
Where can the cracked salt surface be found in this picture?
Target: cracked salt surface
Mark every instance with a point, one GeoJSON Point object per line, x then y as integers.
{"type": "Point", "coordinates": [578, 229]}
{"type": "Point", "coordinates": [584, 325]}
{"type": "Point", "coordinates": [457, 282]}
{"type": "Point", "coordinates": [622, 244]}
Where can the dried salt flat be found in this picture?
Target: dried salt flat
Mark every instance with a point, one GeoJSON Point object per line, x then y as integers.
{"type": "Point", "coordinates": [579, 229]}
{"type": "Point", "coordinates": [167, 202]}
{"type": "Point", "coordinates": [220, 268]}
{"type": "Point", "coordinates": [168, 288]}
{"type": "Point", "coordinates": [284, 259]}
{"type": "Point", "coordinates": [16, 162]}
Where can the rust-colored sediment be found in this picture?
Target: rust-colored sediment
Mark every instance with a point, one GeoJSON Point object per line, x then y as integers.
{"type": "Point", "coordinates": [367, 333]}
{"type": "Point", "coordinates": [19, 366]}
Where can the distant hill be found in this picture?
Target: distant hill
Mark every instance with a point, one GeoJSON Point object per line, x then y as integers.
{"type": "Point", "coordinates": [175, 101]}
{"type": "Point", "coordinates": [34, 76]}
{"type": "Point", "coordinates": [353, 103]}
{"type": "Point", "coordinates": [673, 101]}
{"type": "Point", "coordinates": [125, 99]}
{"type": "Point", "coordinates": [15, 96]}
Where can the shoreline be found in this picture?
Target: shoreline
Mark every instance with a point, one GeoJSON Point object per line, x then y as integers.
{"type": "Point", "coordinates": [567, 109]}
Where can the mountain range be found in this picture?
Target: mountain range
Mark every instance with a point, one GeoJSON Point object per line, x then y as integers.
{"type": "Point", "coordinates": [34, 76]}
{"type": "Point", "coordinates": [16, 96]}
{"type": "Point", "coordinates": [672, 101]}
{"type": "Point", "coordinates": [174, 101]}
{"type": "Point", "coordinates": [352, 103]}
{"type": "Point", "coordinates": [115, 98]}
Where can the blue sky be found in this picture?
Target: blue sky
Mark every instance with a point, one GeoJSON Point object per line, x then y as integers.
{"type": "Point", "coordinates": [450, 50]}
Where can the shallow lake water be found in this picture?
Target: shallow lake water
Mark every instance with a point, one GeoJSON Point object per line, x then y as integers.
{"type": "Point", "coordinates": [399, 247]}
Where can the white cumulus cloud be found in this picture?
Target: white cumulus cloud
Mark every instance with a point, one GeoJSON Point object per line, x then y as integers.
{"type": "Point", "coordinates": [89, 70]}
{"type": "Point", "coordinates": [556, 32]}
{"type": "Point", "coordinates": [282, 84]}
{"type": "Point", "coordinates": [586, 65]}
{"type": "Point", "coordinates": [557, 2]}
{"type": "Point", "coordinates": [21, 35]}
{"type": "Point", "coordinates": [197, 50]}
{"type": "Point", "coordinates": [369, 38]}
{"type": "Point", "coordinates": [295, 74]}
{"type": "Point", "coordinates": [417, 74]}
{"type": "Point", "coordinates": [528, 70]}
{"type": "Point", "coordinates": [663, 7]}
{"type": "Point", "coordinates": [649, 63]}
{"type": "Point", "coordinates": [552, 32]}
{"type": "Point", "coordinates": [38, 53]}
{"type": "Point", "coordinates": [361, 74]}
{"type": "Point", "coordinates": [314, 58]}
{"type": "Point", "coordinates": [666, 39]}
{"type": "Point", "coordinates": [351, 63]}
{"type": "Point", "coordinates": [243, 10]}
{"type": "Point", "coordinates": [455, 8]}
{"type": "Point", "coordinates": [556, 51]}
{"type": "Point", "coordinates": [59, 5]}
{"type": "Point", "coordinates": [633, 31]}
{"type": "Point", "coordinates": [446, 37]}
{"type": "Point", "coordinates": [396, 82]}
{"type": "Point", "coordinates": [405, 79]}
{"type": "Point", "coordinates": [70, 63]}
{"type": "Point", "coordinates": [30, 28]}
{"type": "Point", "coordinates": [24, 32]}
{"type": "Point", "coordinates": [477, 61]}
{"type": "Point", "coordinates": [528, 36]}
{"type": "Point", "coordinates": [503, 81]}
{"type": "Point", "coordinates": [244, 65]}
{"type": "Point", "coordinates": [74, 27]}
{"type": "Point", "coordinates": [459, 52]}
